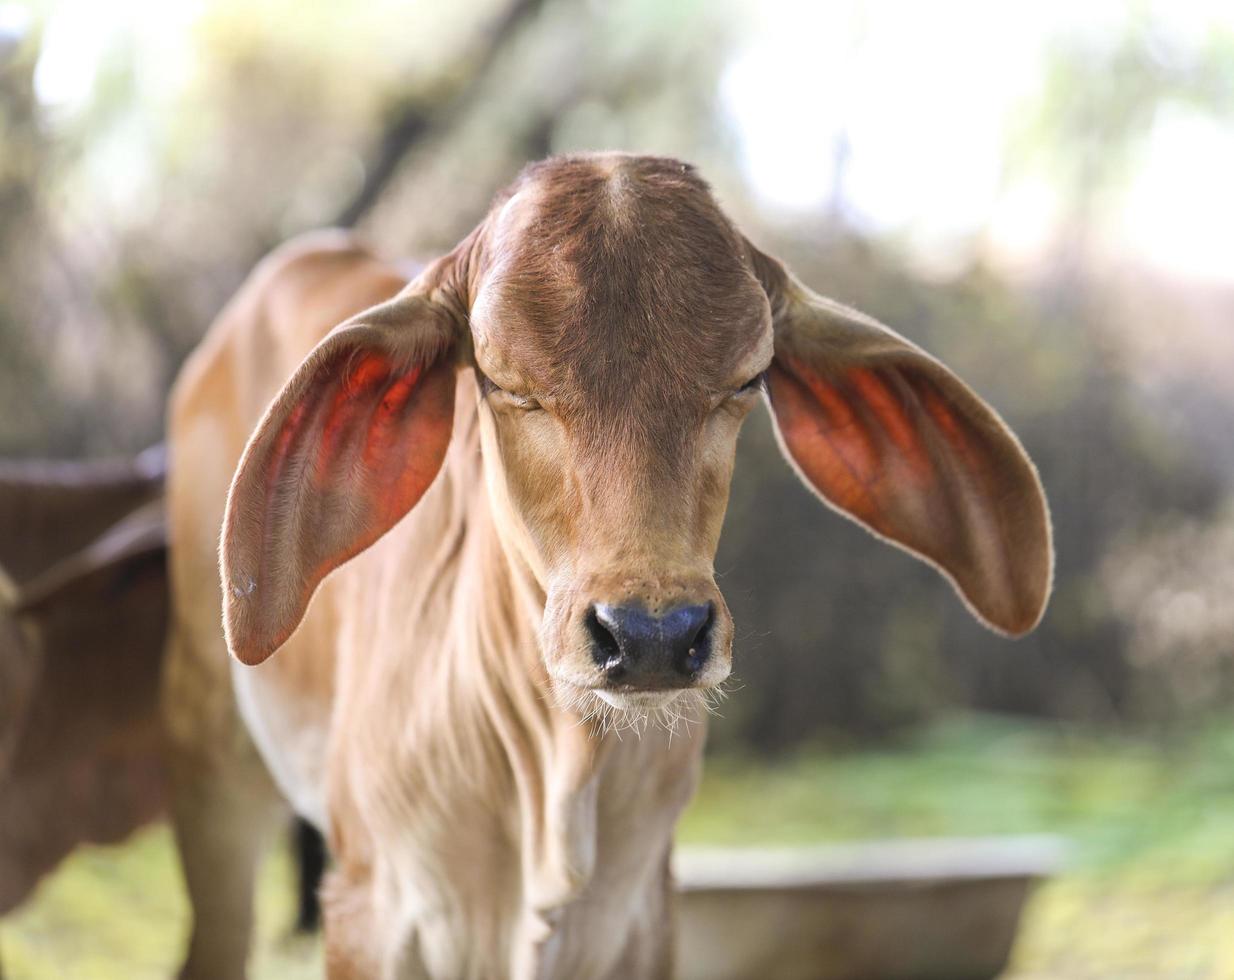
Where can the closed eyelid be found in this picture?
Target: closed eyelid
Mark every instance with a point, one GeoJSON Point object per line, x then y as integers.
{"type": "Point", "coordinates": [489, 387]}
{"type": "Point", "coordinates": [485, 383]}
{"type": "Point", "coordinates": [738, 394]}
{"type": "Point", "coordinates": [758, 381]}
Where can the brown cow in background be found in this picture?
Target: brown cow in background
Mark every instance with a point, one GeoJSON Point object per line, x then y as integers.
{"type": "Point", "coordinates": [83, 617]}
{"type": "Point", "coordinates": [83, 614]}
{"type": "Point", "coordinates": [83, 609]}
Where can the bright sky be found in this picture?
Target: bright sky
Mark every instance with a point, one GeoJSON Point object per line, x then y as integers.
{"type": "Point", "coordinates": [79, 33]}
{"type": "Point", "coordinates": [924, 96]}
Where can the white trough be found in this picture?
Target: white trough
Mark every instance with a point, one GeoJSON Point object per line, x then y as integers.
{"type": "Point", "coordinates": [941, 909]}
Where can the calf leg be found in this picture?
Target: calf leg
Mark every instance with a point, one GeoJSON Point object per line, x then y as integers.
{"type": "Point", "coordinates": [649, 948]}
{"type": "Point", "coordinates": [347, 919]}
{"type": "Point", "coordinates": [224, 808]}
{"type": "Point", "coordinates": [359, 943]}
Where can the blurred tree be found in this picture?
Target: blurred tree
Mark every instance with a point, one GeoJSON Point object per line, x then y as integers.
{"type": "Point", "coordinates": [1099, 101]}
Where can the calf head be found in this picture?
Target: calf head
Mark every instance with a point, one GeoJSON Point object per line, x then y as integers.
{"type": "Point", "coordinates": [619, 329]}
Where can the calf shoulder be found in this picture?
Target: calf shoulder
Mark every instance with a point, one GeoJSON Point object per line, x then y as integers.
{"type": "Point", "coordinates": [292, 299]}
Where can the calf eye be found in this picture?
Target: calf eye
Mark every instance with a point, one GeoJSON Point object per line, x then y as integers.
{"type": "Point", "coordinates": [756, 383]}
{"type": "Point", "coordinates": [489, 387]}
{"type": "Point", "coordinates": [485, 383]}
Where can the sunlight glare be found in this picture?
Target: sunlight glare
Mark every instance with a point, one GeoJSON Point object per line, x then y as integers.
{"type": "Point", "coordinates": [897, 116]}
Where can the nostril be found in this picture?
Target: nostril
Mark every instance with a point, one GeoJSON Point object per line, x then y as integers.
{"type": "Point", "coordinates": [696, 645]}
{"type": "Point", "coordinates": [605, 649]}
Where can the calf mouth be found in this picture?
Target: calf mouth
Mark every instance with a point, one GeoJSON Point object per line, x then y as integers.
{"type": "Point", "coordinates": [612, 710]}
{"type": "Point", "coordinates": [636, 699]}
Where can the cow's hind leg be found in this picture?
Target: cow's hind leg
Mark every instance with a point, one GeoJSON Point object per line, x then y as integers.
{"type": "Point", "coordinates": [224, 808]}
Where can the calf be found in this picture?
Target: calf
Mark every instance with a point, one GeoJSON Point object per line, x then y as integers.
{"type": "Point", "coordinates": [516, 467]}
{"type": "Point", "coordinates": [83, 607]}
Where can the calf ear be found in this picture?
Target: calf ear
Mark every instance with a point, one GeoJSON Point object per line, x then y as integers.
{"type": "Point", "coordinates": [343, 452]}
{"type": "Point", "coordinates": [890, 438]}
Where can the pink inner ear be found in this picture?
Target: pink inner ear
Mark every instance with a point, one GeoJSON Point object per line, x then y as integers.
{"type": "Point", "coordinates": [892, 417]}
{"type": "Point", "coordinates": [851, 435]}
{"type": "Point", "coordinates": [851, 460]}
{"type": "Point", "coordinates": [948, 424]}
{"type": "Point", "coordinates": [910, 452]}
{"type": "Point", "coordinates": [349, 404]}
{"type": "Point", "coordinates": [381, 443]}
{"type": "Point", "coordinates": [354, 451]}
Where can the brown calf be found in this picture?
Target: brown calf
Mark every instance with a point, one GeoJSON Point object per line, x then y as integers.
{"type": "Point", "coordinates": [559, 400]}
{"type": "Point", "coordinates": [83, 611]}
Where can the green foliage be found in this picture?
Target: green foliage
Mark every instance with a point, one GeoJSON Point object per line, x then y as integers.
{"type": "Point", "coordinates": [120, 913]}
{"type": "Point", "coordinates": [1102, 94]}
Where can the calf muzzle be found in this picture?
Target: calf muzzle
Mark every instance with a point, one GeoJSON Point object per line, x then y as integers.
{"type": "Point", "coordinates": [639, 651]}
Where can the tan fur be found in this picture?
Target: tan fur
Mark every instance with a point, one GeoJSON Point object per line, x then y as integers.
{"type": "Point", "coordinates": [439, 708]}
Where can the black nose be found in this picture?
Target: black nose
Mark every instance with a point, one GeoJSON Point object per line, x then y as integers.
{"type": "Point", "coordinates": [638, 650]}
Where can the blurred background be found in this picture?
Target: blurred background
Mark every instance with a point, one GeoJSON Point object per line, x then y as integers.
{"type": "Point", "coordinates": [1040, 194]}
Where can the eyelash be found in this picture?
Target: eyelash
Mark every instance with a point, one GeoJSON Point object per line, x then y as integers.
{"type": "Point", "coordinates": [488, 386]}
{"type": "Point", "coordinates": [485, 383]}
{"type": "Point", "coordinates": [758, 382]}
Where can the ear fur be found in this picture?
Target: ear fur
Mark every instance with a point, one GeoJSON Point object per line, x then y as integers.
{"type": "Point", "coordinates": [889, 437]}
{"type": "Point", "coordinates": [343, 452]}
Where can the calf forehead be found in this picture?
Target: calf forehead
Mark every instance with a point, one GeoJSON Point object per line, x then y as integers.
{"type": "Point", "coordinates": [618, 280]}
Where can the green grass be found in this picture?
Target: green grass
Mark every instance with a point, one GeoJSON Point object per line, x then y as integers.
{"type": "Point", "coordinates": [119, 913]}
{"type": "Point", "coordinates": [1167, 804]}
{"type": "Point", "coordinates": [1149, 892]}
